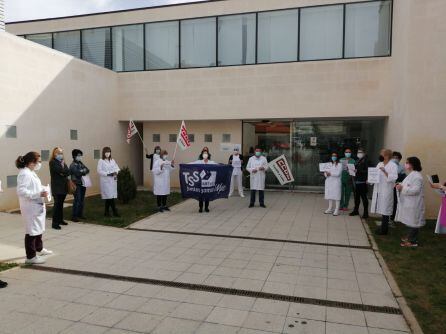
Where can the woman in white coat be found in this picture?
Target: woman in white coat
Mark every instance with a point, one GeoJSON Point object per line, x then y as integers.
{"type": "Point", "coordinates": [108, 171]}
{"type": "Point", "coordinates": [382, 200]}
{"type": "Point", "coordinates": [411, 208]}
{"type": "Point", "coordinates": [161, 182]}
{"type": "Point", "coordinates": [32, 206]}
{"type": "Point", "coordinates": [333, 185]}
{"type": "Point", "coordinates": [236, 161]}
{"type": "Point", "coordinates": [204, 158]}
{"type": "Point", "coordinates": [257, 166]}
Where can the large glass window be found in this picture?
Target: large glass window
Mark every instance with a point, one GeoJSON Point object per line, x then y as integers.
{"type": "Point", "coordinates": [321, 32]}
{"type": "Point", "coordinates": [162, 45]}
{"type": "Point", "coordinates": [277, 36]}
{"type": "Point", "coordinates": [236, 39]}
{"type": "Point", "coordinates": [43, 39]}
{"type": "Point", "coordinates": [96, 46]}
{"type": "Point", "coordinates": [128, 48]}
{"type": "Point", "coordinates": [68, 42]}
{"type": "Point", "coordinates": [367, 29]}
{"type": "Point", "coordinates": [198, 42]}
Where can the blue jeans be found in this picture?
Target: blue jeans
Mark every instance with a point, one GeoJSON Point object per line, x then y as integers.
{"type": "Point", "coordinates": [78, 204]}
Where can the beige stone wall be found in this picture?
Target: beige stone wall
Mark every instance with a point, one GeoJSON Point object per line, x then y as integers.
{"type": "Point", "coordinates": [45, 94]}
{"type": "Point", "coordinates": [199, 129]}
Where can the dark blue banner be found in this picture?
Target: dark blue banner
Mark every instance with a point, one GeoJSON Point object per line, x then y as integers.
{"type": "Point", "coordinates": [208, 182]}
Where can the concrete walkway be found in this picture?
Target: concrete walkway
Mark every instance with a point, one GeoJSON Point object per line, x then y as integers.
{"type": "Point", "coordinates": [49, 302]}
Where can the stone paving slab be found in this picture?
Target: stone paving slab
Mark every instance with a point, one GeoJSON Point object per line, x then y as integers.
{"type": "Point", "coordinates": [30, 305]}
{"type": "Point", "coordinates": [289, 216]}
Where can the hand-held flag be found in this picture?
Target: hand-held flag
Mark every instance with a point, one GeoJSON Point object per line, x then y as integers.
{"type": "Point", "coordinates": [131, 131]}
{"type": "Point", "coordinates": [183, 138]}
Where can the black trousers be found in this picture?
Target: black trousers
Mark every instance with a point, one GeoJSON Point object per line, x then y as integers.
{"type": "Point", "coordinates": [161, 200]}
{"type": "Point", "coordinates": [110, 203]}
{"type": "Point", "coordinates": [395, 204]}
{"type": "Point", "coordinates": [58, 209]}
{"type": "Point", "coordinates": [261, 197]}
{"type": "Point", "coordinates": [361, 194]}
{"type": "Point", "coordinates": [33, 244]}
{"type": "Point", "coordinates": [412, 234]}
{"type": "Point", "coordinates": [385, 224]}
{"type": "Point", "coordinates": [206, 204]}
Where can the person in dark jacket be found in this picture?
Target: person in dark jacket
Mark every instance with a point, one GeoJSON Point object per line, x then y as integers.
{"type": "Point", "coordinates": [362, 165]}
{"type": "Point", "coordinates": [154, 156]}
{"type": "Point", "coordinates": [59, 172]}
{"type": "Point", "coordinates": [77, 170]}
{"type": "Point", "coordinates": [396, 158]}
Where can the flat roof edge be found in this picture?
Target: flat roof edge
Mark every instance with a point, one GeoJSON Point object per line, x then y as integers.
{"type": "Point", "coordinates": [114, 11]}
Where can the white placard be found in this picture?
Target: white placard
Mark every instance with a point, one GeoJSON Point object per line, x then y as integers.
{"type": "Point", "coordinates": [373, 175]}
{"type": "Point", "coordinates": [86, 181]}
{"type": "Point", "coordinates": [48, 190]}
{"type": "Point", "coordinates": [313, 141]}
{"type": "Point", "coordinates": [351, 169]}
{"type": "Point", "coordinates": [281, 169]}
{"type": "Point", "coordinates": [324, 167]}
{"type": "Point", "coordinates": [1, 189]}
{"type": "Point", "coordinates": [236, 163]}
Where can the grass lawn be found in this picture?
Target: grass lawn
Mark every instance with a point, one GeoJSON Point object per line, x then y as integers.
{"type": "Point", "coordinates": [6, 266]}
{"type": "Point", "coordinates": [142, 206]}
{"type": "Point", "coordinates": [420, 273]}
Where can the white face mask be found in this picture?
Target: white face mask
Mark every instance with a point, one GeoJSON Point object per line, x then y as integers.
{"type": "Point", "coordinates": [79, 158]}
{"type": "Point", "coordinates": [37, 166]}
{"type": "Point", "coordinates": [361, 155]}
{"type": "Point", "coordinates": [107, 154]}
{"type": "Point", "coordinates": [205, 156]}
{"type": "Point", "coordinates": [165, 157]}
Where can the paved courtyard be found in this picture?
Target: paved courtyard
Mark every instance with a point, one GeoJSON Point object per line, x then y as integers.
{"type": "Point", "coordinates": [318, 258]}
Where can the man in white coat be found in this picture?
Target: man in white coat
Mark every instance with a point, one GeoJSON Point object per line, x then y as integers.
{"type": "Point", "coordinates": [161, 180]}
{"type": "Point", "coordinates": [32, 206]}
{"type": "Point", "coordinates": [411, 208]}
{"type": "Point", "coordinates": [257, 166]}
{"type": "Point", "coordinates": [382, 200]}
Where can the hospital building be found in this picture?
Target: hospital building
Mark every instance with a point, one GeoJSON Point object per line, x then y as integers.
{"type": "Point", "coordinates": [301, 78]}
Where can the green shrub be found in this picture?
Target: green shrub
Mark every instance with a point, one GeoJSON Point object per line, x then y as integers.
{"type": "Point", "coordinates": [126, 186]}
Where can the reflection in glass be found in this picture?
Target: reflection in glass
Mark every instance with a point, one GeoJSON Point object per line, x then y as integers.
{"type": "Point", "coordinates": [68, 42]}
{"type": "Point", "coordinates": [198, 42]}
{"type": "Point", "coordinates": [96, 46]}
{"type": "Point", "coordinates": [128, 51]}
{"type": "Point", "coordinates": [42, 39]}
{"type": "Point", "coordinates": [162, 45]}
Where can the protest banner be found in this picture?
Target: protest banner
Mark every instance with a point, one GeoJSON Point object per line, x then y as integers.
{"type": "Point", "coordinates": [373, 175]}
{"type": "Point", "coordinates": [281, 170]}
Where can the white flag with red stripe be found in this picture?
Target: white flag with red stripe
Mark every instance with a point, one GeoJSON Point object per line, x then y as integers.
{"type": "Point", "coordinates": [131, 131]}
{"type": "Point", "coordinates": [183, 138]}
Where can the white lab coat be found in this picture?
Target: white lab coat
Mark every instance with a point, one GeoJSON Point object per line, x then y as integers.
{"type": "Point", "coordinates": [333, 182]}
{"type": "Point", "coordinates": [161, 177]}
{"type": "Point", "coordinates": [257, 180]}
{"type": "Point", "coordinates": [109, 184]}
{"type": "Point", "coordinates": [32, 206]}
{"type": "Point", "coordinates": [382, 200]}
{"type": "Point", "coordinates": [411, 201]}
{"type": "Point", "coordinates": [236, 161]}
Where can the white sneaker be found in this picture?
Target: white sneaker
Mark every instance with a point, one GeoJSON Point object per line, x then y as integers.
{"type": "Point", "coordinates": [230, 194]}
{"type": "Point", "coordinates": [241, 195]}
{"type": "Point", "coordinates": [35, 260]}
{"type": "Point", "coordinates": [45, 251]}
{"type": "Point", "coordinates": [336, 213]}
{"type": "Point", "coordinates": [327, 212]}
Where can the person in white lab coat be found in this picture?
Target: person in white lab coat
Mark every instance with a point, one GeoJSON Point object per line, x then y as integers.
{"type": "Point", "coordinates": [236, 161]}
{"type": "Point", "coordinates": [382, 200]}
{"type": "Point", "coordinates": [161, 182]}
{"type": "Point", "coordinates": [411, 207]}
{"type": "Point", "coordinates": [204, 159]}
{"type": "Point", "coordinates": [108, 171]}
{"type": "Point", "coordinates": [333, 185]}
{"type": "Point", "coordinates": [257, 166]}
{"type": "Point", "coordinates": [32, 206]}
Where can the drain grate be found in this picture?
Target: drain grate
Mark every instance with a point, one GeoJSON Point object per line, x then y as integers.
{"type": "Point", "coordinates": [250, 238]}
{"type": "Point", "coordinates": [222, 290]}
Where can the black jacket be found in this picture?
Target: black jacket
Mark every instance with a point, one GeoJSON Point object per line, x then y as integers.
{"type": "Point", "coordinates": [241, 158]}
{"type": "Point", "coordinates": [362, 166]}
{"type": "Point", "coordinates": [77, 170]}
{"type": "Point", "coordinates": [59, 177]}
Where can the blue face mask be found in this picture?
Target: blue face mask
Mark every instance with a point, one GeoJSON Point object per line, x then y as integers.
{"type": "Point", "coordinates": [258, 154]}
{"type": "Point", "coordinates": [334, 159]}
{"type": "Point", "coordinates": [348, 155]}
{"type": "Point", "coordinates": [59, 157]}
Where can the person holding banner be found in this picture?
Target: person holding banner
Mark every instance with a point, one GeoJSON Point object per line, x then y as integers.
{"type": "Point", "coordinates": [32, 206]}
{"type": "Point", "coordinates": [204, 150]}
{"type": "Point", "coordinates": [333, 185]}
{"type": "Point", "coordinates": [78, 170]}
{"type": "Point", "coordinates": [205, 159]}
{"type": "Point", "coordinates": [161, 180]}
{"type": "Point", "coordinates": [382, 200]}
{"type": "Point", "coordinates": [411, 208]}
{"type": "Point", "coordinates": [236, 161]}
{"type": "Point", "coordinates": [108, 171]}
{"type": "Point", "coordinates": [257, 166]}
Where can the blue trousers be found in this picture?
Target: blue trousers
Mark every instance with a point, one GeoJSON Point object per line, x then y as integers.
{"type": "Point", "coordinates": [78, 204]}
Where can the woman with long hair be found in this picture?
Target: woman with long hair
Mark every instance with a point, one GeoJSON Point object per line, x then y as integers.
{"type": "Point", "coordinates": [32, 206]}
{"type": "Point", "coordinates": [108, 171]}
{"type": "Point", "coordinates": [59, 172]}
{"type": "Point", "coordinates": [333, 186]}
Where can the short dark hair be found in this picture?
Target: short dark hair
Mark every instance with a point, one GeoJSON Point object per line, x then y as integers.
{"type": "Point", "coordinates": [25, 160]}
{"type": "Point", "coordinates": [397, 154]}
{"type": "Point", "coordinates": [258, 148]}
{"type": "Point", "coordinates": [415, 163]}
{"type": "Point", "coordinates": [76, 152]}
